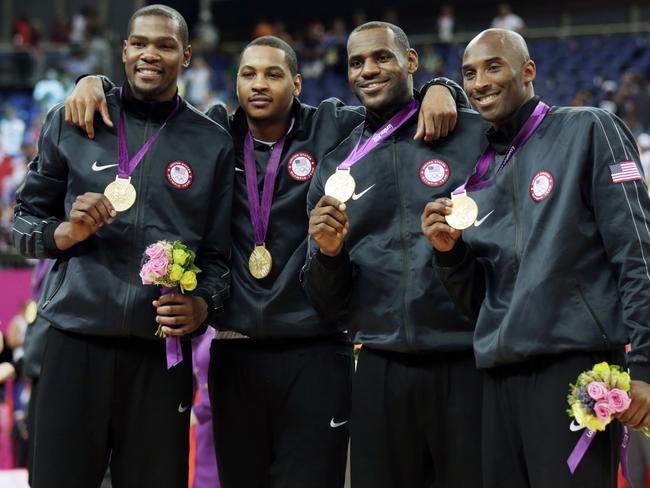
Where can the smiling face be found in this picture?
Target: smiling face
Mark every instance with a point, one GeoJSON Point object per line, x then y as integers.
{"type": "Point", "coordinates": [265, 86]}
{"type": "Point", "coordinates": [498, 75]}
{"type": "Point", "coordinates": [153, 57]}
{"type": "Point", "coordinates": [379, 71]}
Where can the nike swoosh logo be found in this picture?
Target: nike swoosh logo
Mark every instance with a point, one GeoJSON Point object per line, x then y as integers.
{"type": "Point", "coordinates": [573, 427]}
{"type": "Point", "coordinates": [480, 221]}
{"type": "Point", "coordinates": [239, 169]}
{"type": "Point", "coordinates": [181, 408]}
{"type": "Point", "coordinates": [334, 425]}
{"type": "Point", "coordinates": [97, 167]}
{"type": "Point", "coordinates": [356, 196]}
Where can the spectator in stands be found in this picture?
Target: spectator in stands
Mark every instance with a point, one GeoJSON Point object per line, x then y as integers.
{"type": "Point", "coordinates": [197, 82]}
{"type": "Point", "coordinates": [607, 101]}
{"type": "Point", "coordinates": [313, 65]}
{"type": "Point", "coordinates": [49, 91]}
{"type": "Point", "coordinates": [336, 56]}
{"type": "Point", "coordinates": [12, 131]}
{"type": "Point", "coordinates": [507, 19]}
{"type": "Point", "coordinates": [446, 23]}
{"type": "Point", "coordinates": [581, 98]}
{"type": "Point", "coordinates": [430, 61]}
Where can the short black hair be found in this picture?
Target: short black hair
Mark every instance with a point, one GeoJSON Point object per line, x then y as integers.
{"type": "Point", "coordinates": [163, 11]}
{"type": "Point", "coordinates": [400, 36]}
{"type": "Point", "coordinates": [276, 42]}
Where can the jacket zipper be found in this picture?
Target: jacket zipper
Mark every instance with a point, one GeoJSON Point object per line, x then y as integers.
{"type": "Point", "coordinates": [136, 226]}
{"type": "Point", "coordinates": [603, 334]}
{"type": "Point", "coordinates": [405, 269]}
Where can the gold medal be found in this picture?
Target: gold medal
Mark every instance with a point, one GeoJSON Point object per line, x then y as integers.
{"type": "Point", "coordinates": [340, 185]}
{"type": "Point", "coordinates": [463, 212]}
{"type": "Point", "coordinates": [120, 193]}
{"type": "Point", "coordinates": [31, 311]}
{"type": "Point", "coordinates": [259, 263]}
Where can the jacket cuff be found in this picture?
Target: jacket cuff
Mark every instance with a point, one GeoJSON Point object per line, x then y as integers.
{"type": "Point", "coordinates": [453, 257]}
{"type": "Point", "coordinates": [333, 262]}
{"type": "Point", "coordinates": [640, 371]}
{"type": "Point", "coordinates": [456, 90]}
{"type": "Point", "coordinates": [49, 244]}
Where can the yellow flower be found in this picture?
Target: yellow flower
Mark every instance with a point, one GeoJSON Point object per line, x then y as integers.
{"type": "Point", "coordinates": [602, 370]}
{"type": "Point", "coordinates": [176, 272]}
{"type": "Point", "coordinates": [622, 380]}
{"type": "Point", "coordinates": [188, 281]}
{"type": "Point", "coordinates": [180, 256]}
{"type": "Point", "coordinates": [586, 419]}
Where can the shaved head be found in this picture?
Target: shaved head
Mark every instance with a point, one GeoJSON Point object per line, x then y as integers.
{"type": "Point", "coordinates": [509, 43]}
{"type": "Point", "coordinates": [498, 74]}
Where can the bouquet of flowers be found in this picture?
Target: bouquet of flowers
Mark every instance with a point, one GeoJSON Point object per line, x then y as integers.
{"type": "Point", "coordinates": [171, 266]}
{"type": "Point", "coordinates": [594, 399]}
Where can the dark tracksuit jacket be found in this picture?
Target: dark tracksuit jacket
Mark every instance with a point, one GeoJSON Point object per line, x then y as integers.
{"type": "Point", "coordinates": [561, 259]}
{"type": "Point", "coordinates": [382, 285]}
{"type": "Point", "coordinates": [94, 286]}
{"type": "Point", "coordinates": [275, 307]}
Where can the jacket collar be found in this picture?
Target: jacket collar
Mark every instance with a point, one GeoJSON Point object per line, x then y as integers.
{"type": "Point", "coordinates": [146, 110]}
{"type": "Point", "coordinates": [239, 125]}
{"type": "Point", "coordinates": [501, 138]}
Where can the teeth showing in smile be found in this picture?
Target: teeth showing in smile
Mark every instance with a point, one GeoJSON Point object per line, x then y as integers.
{"type": "Point", "coordinates": [148, 71]}
{"type": "Point", "coordinates": [487, 99]}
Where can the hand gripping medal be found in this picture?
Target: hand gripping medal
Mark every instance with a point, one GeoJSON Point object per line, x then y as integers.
{"type": "Point", "coordinates": [260, 261]}
{"type": "Point", "coordinates": [341, 184]}
{"type": "Point", "coordinates": [121, 193]}
{"type": "Point", "coordinates": [464, 211]}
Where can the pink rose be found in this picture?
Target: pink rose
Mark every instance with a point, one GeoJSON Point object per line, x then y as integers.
{"type": "Point", "coordinates": [618, 400]}
{"type": "Point", "coordinates": [155, 251]}
{"type": "Point", "coordinates": [154, 269]}
{"type": "Point", "coordinates": [597, 390]}
{"type": "Point", "coordinates": [603, 410]}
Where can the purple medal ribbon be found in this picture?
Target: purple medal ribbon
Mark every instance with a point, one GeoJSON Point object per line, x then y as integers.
{"type": "Point", "coordinates": [260, 215]}
{"type": "Point", "coordinates": [126, 166]}
{"type": "Point", "coordinates": [585, 441]}
{"type": "Point", "coordinates": [395, 122]}
{"type": "Point", "coordinates": [476, 182]}
{"type": "Point", "coordinates": [173, 349]}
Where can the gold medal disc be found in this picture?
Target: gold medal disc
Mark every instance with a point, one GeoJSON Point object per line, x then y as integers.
{"type": "Point", "coordinates": [340, 185]}
{"type": "Point", "coordinates": [464, 212]}
{"type": "Point", "coordinates": [120, 193]}
{"type": "Point", "coordinates": [259, 263]}
{"type": "Point", "coordinates": [31, 311]}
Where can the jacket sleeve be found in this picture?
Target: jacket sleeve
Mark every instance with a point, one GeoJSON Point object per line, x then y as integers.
{"type": "Point", "coordinates": [327, 281]}
{"type": "Point", "coordinates": [622, 213]}
{"type": "Point", "coordinates": [338, 117]}
{"type": "Point", "coordinates": [214, 253]}
{"type": "Point", "coordinates": [40, 199]}
{"type": "Point", "coordinates": [462, 275]}
{"type": "Point", "coordinates": [456, 91]}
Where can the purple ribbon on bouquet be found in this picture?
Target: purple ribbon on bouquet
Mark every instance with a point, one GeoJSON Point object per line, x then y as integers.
{"type": "Point", "coordinates": [260, 214]}
{"type": "Point", "coordinates": [394, 123]}
{"type": "Point", "coordinates": [585, 441]}
{"type": "Point", "coordinates": [475, 181]}
{"type": "Point", "coordinates": [173, 349]}
{"type": "Point", "coordinates": [126, 166]}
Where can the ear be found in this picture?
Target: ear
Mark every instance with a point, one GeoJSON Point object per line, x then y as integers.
{"type": "Point", "coordinates": [187, 56]}
{"type": "Point", "coordinates": [297, 85]}
{"type": "Point", "coordinates": [412, 61]}
{"type": "Point", "coordinates": [124, 51]}
{"type": "Point", "coordinates": [529, 71]}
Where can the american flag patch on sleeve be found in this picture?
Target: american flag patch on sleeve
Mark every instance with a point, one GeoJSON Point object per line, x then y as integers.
{"type": "Point", "coordinates": [624, 171]}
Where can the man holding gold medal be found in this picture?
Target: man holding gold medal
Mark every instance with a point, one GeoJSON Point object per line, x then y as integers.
{"type": "Point", "coordinates": [280, 373]}
{"type": "Point", "coordinates": [416, 392]}
{"type": "Point", "coordinates": [556, 268]}
{"type": "Point", "coordinates": [105, 392]}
